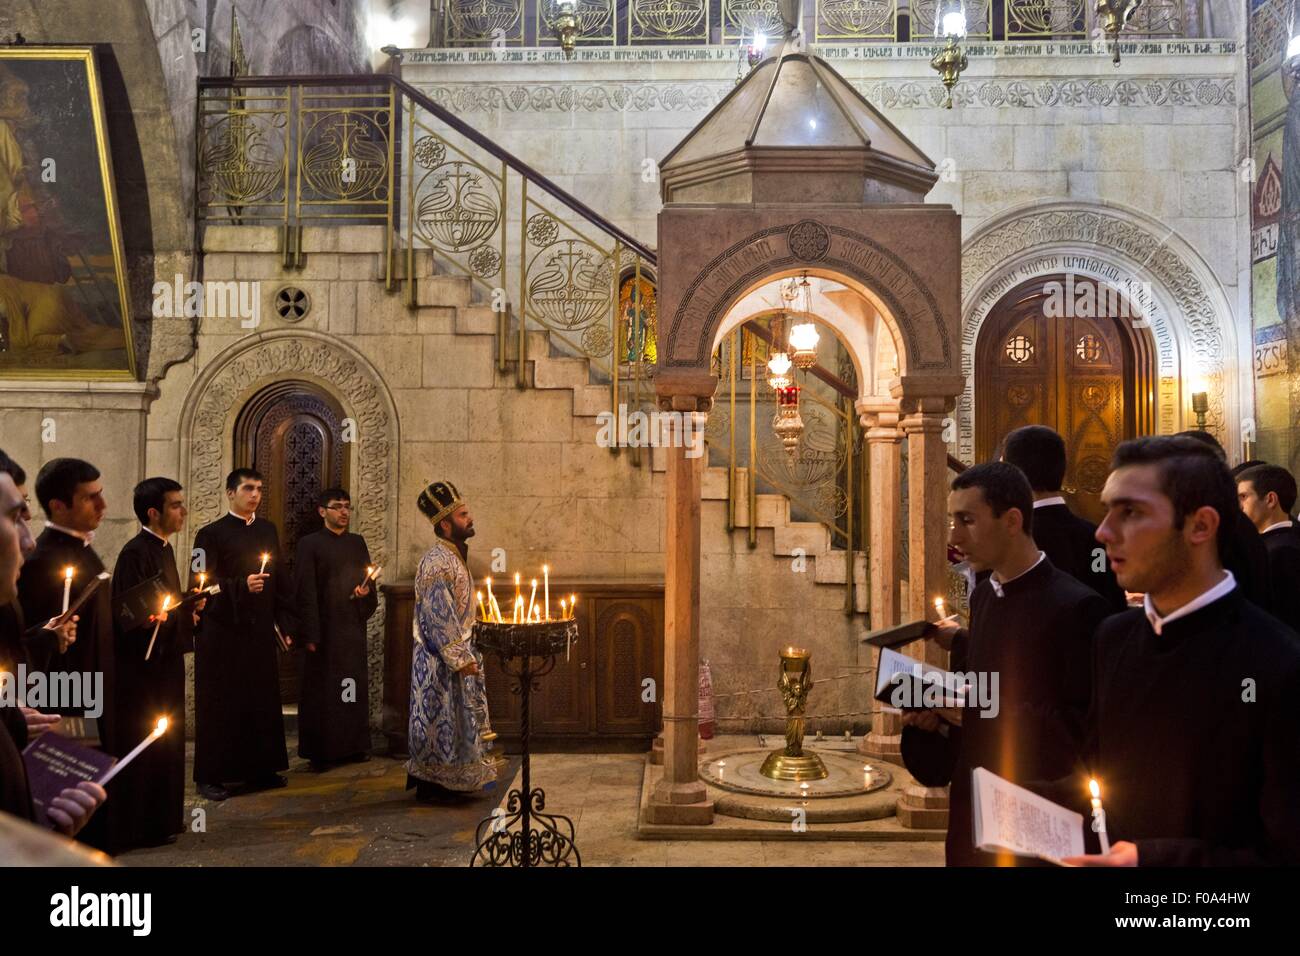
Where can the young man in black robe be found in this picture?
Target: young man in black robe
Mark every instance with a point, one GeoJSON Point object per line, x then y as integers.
{"type": "Point", "coordinates": [333, 607]}
{"type": "Point", "coordinates": [239, 725]}
{"type": "Point", "coordinates": [1194, 729]}
{"type": "Point", "coordinates": [1267, 495]}
{"type": "Point", "coordinates": [1243, 552]}
{"type": "Point", "coordinates": [1031, 625]}
{"type": "Point", "coordinates": [73, 808]}
{"type": "Point", "coordinates": [72, 496]}
{"type": "Point", "coordinates": [1068, 540]}
{"type": "Point", "coordinates": [149, 796]}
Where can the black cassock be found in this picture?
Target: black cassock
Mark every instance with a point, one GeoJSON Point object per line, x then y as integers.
{"type": "Point", "coordinates": [1070, 543]}
{"type": "Point", "coordinates": [40, 592]}
{"type": "Point", "coordinates": [1244, 554]}
{"type": "Point", "coordinates": [327, 569]}
{"type": "Point", "coordinates": [148, 797]}
{"type": "Point", "coordinates": [239, 726]}
{"type": "Point", "coordinates": [1038, 638]}
{"type": "Point", "coordinates": [1195, 736]}
{"type": "Point", "coordinates": [15, 797]}
{"type": "Point", "coordinates": [1283, 547]}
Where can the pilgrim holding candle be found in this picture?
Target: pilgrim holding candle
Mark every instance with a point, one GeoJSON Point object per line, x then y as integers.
{"type": "Point", "coordinates": [337, 595]}
{"type": "Point", "coordinates": [449, 714]}
{"type": "Point", "coordinates": [239, 732]}
{"type": "Point", "coordinates": [147, 808]}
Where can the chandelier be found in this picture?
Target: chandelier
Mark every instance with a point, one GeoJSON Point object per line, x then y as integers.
{"type": "Point", "coordinates": [950, 62]}
{"type": "Point", "coordinates": [779, 366]}
{"type": "Point", "coordinates": [803, 336]}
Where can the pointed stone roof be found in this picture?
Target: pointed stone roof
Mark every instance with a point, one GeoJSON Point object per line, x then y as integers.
{"type": "Point", "coordinates": [794, 117]}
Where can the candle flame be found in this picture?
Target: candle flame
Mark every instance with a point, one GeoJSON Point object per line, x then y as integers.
{"type": "Point", "coordinates": [161, 728]}
{"type": "Point", "coordinates": [516, 579]}
{"type": "Point", "coordinates": [67, 572]}
{"type": "Point", "coordinates": [167, 600]}
{"type": "Point", "coordinates": [1094, 789]}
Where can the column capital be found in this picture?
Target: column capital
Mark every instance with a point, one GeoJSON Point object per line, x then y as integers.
{"type": "Point", "coordinates": [685, 389]}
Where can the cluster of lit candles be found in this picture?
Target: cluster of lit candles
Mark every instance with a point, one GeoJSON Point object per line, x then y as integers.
{"type": "Point", "coordinates": [532, 612]}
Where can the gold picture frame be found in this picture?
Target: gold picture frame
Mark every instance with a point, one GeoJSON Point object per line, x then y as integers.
{"type": "Point", "coordinates": [62, 266]}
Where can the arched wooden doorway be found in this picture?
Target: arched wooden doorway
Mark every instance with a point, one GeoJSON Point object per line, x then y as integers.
{"type": "Point", "coordinates": [1063, 352]}
{"type": "Point", "coordinates": [292, 433]}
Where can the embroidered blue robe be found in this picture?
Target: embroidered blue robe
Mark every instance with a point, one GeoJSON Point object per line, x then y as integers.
{"type": "Point", "coordinates": [448, 710]}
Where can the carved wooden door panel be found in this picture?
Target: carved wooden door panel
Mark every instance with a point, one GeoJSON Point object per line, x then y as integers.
{"type": "Point", "coordinates": [1073, 373]}
{"type": "Point", "coordinates": [630, 627]}
{"type": "Point", "coordinates": [292, 434]}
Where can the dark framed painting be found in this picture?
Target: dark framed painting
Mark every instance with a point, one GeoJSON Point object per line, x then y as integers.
{"type": "Point", "coordinates": [63, 293]}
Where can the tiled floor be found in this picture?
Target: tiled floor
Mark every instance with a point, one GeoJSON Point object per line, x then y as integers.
{"type": "Point", "coordinates": [360, 814]}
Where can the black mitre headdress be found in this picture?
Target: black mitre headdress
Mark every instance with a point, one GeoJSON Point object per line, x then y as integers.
{"type": "Point", "coordinates": [438, 500]}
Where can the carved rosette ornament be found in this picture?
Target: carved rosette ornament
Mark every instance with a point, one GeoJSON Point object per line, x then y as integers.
{"type": "Point", "coordinates": [809, 240]}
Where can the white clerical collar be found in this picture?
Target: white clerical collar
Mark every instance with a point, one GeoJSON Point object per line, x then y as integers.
{"type": "Point", "coordinates": [85, 536]}
{"type": "Point", "coordinates": [1281, 524]}
{"type": "Point", "coordinates": [997, 585]}
{"type": "Point", "coordinates": [249, 520]}
{"type": "Point", "coordinates": [145, 527]}
{"type": "Point", "coordinates": [1195, 604]}
{"type": "Point", "coordinates": [1044, 502]}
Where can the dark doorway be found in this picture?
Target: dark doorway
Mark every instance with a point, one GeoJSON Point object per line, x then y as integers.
{"type": "Point", "coordinates": [292, 433]}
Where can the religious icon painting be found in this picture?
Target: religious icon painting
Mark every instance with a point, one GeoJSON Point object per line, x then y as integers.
{"type": "Point", "coordinates": [63, 303]}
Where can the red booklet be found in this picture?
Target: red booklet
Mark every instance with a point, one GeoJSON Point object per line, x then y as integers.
{"type": "Point", "coordinates": [55, 763]}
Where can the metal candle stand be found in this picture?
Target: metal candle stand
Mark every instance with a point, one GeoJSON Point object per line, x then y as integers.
{"type": "Point", "coordinates": [527, 653]}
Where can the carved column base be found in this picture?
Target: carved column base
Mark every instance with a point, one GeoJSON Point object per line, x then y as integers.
{"type": "Point", "coordinates": [923, 808]}
{"type": "Point", "coordinates": [882, 746]}
{"type": "Point", "coordinates": [682, 803]}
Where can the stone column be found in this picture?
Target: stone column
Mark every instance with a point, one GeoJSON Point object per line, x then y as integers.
{"type": "Point", "coordinates": [885, 497]}
{"type": "Point", "coordinates": [924, 416]}
{"type": "Point", "coordinates": [680, 796]}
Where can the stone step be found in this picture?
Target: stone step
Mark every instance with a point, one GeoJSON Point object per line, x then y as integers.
{"type": "Point", "coordinates": [444, 291]}
{"type": "Point", "coordinates": [476, 320]}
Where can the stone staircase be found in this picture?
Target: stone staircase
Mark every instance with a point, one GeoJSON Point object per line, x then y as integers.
{"type": "Point", "coordinates": [552, 370]}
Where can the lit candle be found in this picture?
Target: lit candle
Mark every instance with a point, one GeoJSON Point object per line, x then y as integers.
{"type": "Point", "coordinates": [518, 595]}
{"type": "Point", "coordinates": [519, 607]}
{"type": "Point", "coordinates": [532, 599]}
{"type": "Point", "coordinates": [938, 606]}
{"type": "Point", "coordinates": [546, 589]}
{"type": "Point", "coordinates": [1098, 816]}
{"type": "Point", "coordinates": [265, 558]}
{"type": "Point", "coordinates": [167, 600]}
{"type": "Point", "coordinates": [370, 573]}
{"type": "Point", "coordinates": [67, 587]}
{"type": "Point", "coordinates": [202, 580]}
{"type": "Point", "coordinates": [492, 602]}
{"type": "Point", "coordinates": [158, 731]}
{"type": "Point", "coordinates": [564, 614]}
{"type": "Point", "coordinates": [573, 605]}
{"type": "Point", "coordinates": [482, 614]}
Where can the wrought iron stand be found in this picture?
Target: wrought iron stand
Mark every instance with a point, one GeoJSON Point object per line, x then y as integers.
{"type": "Point", "coordinates": [527, 653]}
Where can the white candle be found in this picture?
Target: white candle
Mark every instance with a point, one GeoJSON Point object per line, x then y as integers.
{"type": "Point", "coordinates": [265, 558]}
{"type": "Point", "coordinates": [482, 614]}
{"type": "Point", "coordinates": [938, 606]}
{"type": "Point", "coordinates": [202, 578]}
{"type": "Point", "coordinates": [67, 587]}
{"type": "Point", "coordinates": [166, 601]}
{"type": "Point", "coordinates": [546, 589]}
{"type": "Point", "coordinates": [370, 573]}
{"type": "Point", "coordinates": [1099, 817]}
{"type": "Point", "coordinates": [157, 732]}
{"type": "Point", "coordinates": [532, 599]}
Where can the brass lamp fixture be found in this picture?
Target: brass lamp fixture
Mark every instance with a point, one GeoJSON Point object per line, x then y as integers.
{"type": "Point", "coordinates": [566, 28]}
{"type": "Point", "coordinates": [779, 365]}
{"type": "Point", "coordinates": [787, 422]}
{"type": "Point", "coordinates": [757, 47]}
{"type": "Point", "coordinates": [1200, 405]}
{"type": "Point", "coordinates": [1114, 15]}
{"type": "Point", "coordinates": [803, 335]}
{"type": "Point", "coordinates": [950, 62]}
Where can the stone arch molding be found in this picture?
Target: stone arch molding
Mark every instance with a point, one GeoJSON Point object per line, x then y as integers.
{"type": "Point", "coordinates": [207, 426]}
{"type": "Point", "coordinates": [1189, 318]}
{"type": "Point", "coordinates": [222, 389]}
{"type": "Point", "coordinates": [907, 303]}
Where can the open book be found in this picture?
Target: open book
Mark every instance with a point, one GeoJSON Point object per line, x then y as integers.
{"type": "Point", "coordinates": [908, 684]}
{"type": "Point", "coordinates": [1011, 818]}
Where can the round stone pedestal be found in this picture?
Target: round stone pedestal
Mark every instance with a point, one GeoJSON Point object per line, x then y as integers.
{"type": "Point", "coordinates": [848, 793]}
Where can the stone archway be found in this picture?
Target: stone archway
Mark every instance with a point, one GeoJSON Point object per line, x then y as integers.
{"type": "Point", "coordinates": [1188, 315]}
{"type": "Point", "coordinates": [205, 434]}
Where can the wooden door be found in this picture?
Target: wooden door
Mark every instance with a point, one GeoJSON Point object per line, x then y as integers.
{"type": "Point", "coordinates": [1071, 372]}
{"type": "Point", "coordinates": [292, 433]}
{"type": "Point", "coordinates": [629, 629]}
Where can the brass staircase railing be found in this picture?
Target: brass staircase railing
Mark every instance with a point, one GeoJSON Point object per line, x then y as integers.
{"type": "Point", "coordinates": [294, 151]}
